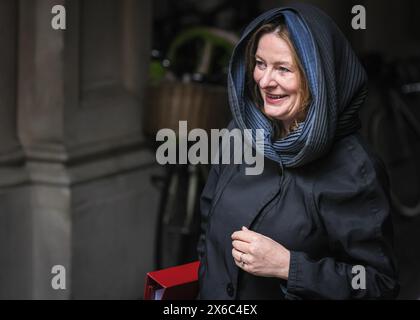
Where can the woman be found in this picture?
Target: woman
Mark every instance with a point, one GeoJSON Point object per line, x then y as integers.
{"type": "Point", "coordinates": [316, 223]}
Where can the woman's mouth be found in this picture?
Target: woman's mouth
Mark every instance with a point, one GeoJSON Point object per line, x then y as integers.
{"type": "Point", "coordinates": [275, 99]}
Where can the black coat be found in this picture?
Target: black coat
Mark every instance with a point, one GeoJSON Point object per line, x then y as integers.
{"type": "Point", "coordinates": [331, 214]}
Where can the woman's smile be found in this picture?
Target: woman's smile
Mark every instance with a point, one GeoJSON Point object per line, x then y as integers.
{"type": "Point", "coordinates": [275, 100]}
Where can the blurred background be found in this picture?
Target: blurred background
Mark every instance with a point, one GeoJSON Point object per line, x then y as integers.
{"type": "Point", "coordinates": [79, 110]}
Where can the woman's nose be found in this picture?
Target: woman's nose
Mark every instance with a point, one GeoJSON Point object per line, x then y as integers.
{"type": "Point", "coordinates": [267, 80]}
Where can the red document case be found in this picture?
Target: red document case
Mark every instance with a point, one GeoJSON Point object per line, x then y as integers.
{"type": "Point", "coordinates": [175, 283]}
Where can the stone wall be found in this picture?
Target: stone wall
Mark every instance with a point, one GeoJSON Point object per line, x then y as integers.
{"type": "Point", "coordinates": [74, 167]}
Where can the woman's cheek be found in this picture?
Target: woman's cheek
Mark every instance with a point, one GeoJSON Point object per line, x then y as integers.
{"type": "Point", "coordinates": [290, 83]}
{"type": "Point", "coordinates": [294, 83]}
{"type": "Point", "coordinates": [255, 78]}
{"type": "Point", "coordinates": [257, 75]}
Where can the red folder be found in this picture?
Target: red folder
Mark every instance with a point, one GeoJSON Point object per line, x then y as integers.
{"type": "Point", "coordinates": [175, 283]}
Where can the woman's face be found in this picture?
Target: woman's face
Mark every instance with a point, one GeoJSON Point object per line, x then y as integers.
{"type": "Point", "coordinates": [278, 79]}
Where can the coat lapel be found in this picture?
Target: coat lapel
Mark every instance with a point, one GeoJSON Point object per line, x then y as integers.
{"type": "Point", "coordinates": [250, 194]}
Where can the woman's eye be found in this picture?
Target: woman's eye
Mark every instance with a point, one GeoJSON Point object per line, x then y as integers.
{"type": "Point", "coordinates": [283, 69]}
{"type": "Point", "coordinates": [259, 64]}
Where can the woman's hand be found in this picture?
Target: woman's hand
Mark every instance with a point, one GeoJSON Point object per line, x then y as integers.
{"type": "Point", "coordinates": [260, 255]}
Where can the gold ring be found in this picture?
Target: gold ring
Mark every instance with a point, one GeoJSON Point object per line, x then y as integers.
{"type": "Point", "coordinates": [242, 261]}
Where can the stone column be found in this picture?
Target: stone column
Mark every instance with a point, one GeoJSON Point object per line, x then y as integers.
{"type": "Point", "coordinates": [79, 120]}
{"type": "Point", "coordinates": [15, 228]}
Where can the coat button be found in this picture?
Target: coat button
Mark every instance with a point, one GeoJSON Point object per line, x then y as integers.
{"type": "Point", "coordinates": [230, 290]}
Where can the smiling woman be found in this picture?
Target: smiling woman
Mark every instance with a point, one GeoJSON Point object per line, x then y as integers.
{"type": "Point", "coordinates": [278, 83]}
{"type": "Point", "coordinates": [319, 210]}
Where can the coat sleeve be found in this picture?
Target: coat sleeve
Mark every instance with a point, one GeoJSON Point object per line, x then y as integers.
{"type": "Point", "coordinates": [356, 215]}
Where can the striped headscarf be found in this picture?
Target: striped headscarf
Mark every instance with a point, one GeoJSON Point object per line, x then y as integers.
{"type": "Point", "coordinates": [336, 78]}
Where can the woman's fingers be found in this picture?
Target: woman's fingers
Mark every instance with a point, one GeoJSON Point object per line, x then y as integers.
{"type": "Point", "coordinates": [240, 246]}
{"type": "Point", "coordinates": [238, 258]}
{"type": "Point", "coordinates": [237, 255]}
{"type": "Point", "coordinates": [244, 235]}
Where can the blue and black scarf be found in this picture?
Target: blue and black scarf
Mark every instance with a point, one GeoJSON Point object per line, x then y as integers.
{"type": "Point", "coordinates": [337, 82]}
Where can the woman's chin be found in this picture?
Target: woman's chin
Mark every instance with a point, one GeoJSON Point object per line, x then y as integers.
{"type": "Point", "coordinates": [275, 112]}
